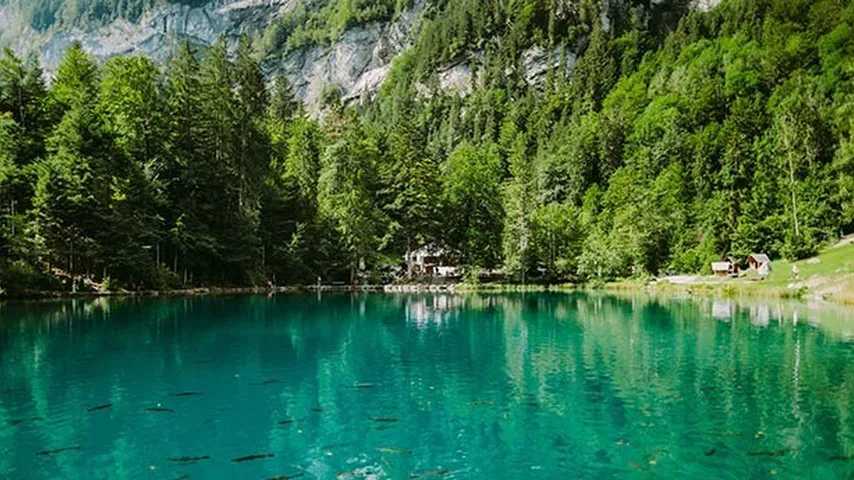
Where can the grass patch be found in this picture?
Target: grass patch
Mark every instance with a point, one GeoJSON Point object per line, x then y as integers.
{"type": "Point", "coordinates": [829, 276]}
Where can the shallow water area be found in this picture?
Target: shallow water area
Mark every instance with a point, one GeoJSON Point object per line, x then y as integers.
{"type": "Point", "coordinates": [538, 385]}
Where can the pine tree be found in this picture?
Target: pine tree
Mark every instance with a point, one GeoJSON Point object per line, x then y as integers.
{"type": "Point", "coordinates": [346, 196]}
{"type": "Point", "coordinates": [412, 187]}
{"type": "Point", "coordinates": [183, 166]}
{"type": "Point", "coordinates": [132, 110]}
{"type": "Point", "coordinates": [75, 182]}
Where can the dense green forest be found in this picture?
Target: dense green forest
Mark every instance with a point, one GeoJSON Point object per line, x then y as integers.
{"type": "Point", "coordinates": [678, 137]}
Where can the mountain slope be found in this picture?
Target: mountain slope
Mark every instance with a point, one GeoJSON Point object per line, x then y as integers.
{"type": "Point", "coordinates": [343, 45]}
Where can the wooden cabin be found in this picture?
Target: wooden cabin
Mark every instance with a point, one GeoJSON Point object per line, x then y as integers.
{"type": "Point", "coordinates": [724, 268]}
{"type": "Point", "coordinates": [430, 261]}
{"type": "Point", "coordinates": [759, 263]}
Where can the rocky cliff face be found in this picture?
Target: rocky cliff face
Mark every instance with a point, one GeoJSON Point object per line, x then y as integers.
{"type": "Point", "coordinates": [356, 64]}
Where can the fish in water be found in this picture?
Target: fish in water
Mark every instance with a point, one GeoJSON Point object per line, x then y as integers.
{"type": "Point", "coordinates": [394, 450]}
{"type": "Point", "coordinates": [19, 421]}
{"type": "Point", "coordinates": [159, 409]}
{"type": "Point", "coordinates": [769, 453]}
{"type": "Point", "coordinates": [58, 450]}
{"type": "Point", "coordinates": [287, 477]}
{"type": "Point", "coordinates": [317, 409]}
{"type": "Point", "coordinates": [385, 419]}
{"type": "Point", "coordinates": [100, 407]}
{"type": "Point", "coordinates": [187, 394]}
{"type": "Point", "coordinates": [841, 458]}
{"type": "Point", "coordinates": [711, 452]}
{"type": "Point", "coordinates": [183, 477]}
{"type": "Point", "coordinates": [364, 385]}
{"type": "Point", "coordinates": [271, 381]}
{"type": "Point", "coordinates": [286, 421]}
{"type": "Point", "coordinates": [189, 459]}
{"type": "Point", "coordinates": [249, 458]}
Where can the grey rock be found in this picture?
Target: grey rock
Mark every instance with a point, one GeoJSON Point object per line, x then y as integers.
{"type": "Point", "coordinates": [537, 62]}
{"type": "Point", "coordinates": [705, 5]}
{"type": "Point", "coordinates": [356, 64]}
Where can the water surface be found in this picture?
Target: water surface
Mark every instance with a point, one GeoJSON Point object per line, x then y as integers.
{"type": "Point", "coordinates": [425, 386]}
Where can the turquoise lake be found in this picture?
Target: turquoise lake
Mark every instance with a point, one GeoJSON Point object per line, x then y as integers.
{"type": "Point", "coordinates": [345, 386]}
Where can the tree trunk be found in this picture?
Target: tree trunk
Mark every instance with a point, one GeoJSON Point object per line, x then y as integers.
{"type": "Point", "coordinates": [787, 145]}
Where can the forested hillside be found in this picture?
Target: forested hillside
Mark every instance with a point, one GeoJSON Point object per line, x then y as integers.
{"type": "Point", "coordinates": [677, 137]}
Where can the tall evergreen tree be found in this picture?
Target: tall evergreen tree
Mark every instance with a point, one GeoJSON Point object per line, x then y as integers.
{"type": "Point", "coordinates": [75, 183]}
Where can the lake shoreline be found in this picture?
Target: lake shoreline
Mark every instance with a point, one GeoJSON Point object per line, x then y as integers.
{"type": "Point", "coordinates": [702, 288]}
{"type": "Point", "coordinates": [214, 291]}
{"type": "Point", "coordinates": [800, 291]}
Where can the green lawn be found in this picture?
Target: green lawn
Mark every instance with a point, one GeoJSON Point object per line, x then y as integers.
{"type": "Point", "coordinates": [830, 276]}
{"type": "Point", "coordinates": [834, 262]}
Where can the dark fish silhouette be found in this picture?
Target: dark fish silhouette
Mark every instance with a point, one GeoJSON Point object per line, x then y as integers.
{"type": "Point", "coordinates": [364, 385]}
{"type": "Point", "coordinates": [287, 477]}
{"type": "Point", "coordinates": [187, 459]}
{"type": "Point", "coordinates": [317, 409]}
{"type": "Point", "coordinates": [286, 422]}
{"type": "Point", "coordinates": [841, 458]}
{"type": "Point", "coordinates": [271, 381]}
{"type": "Point", "coordinates": [187, 394]}
{"type": "Point", "coordinates": [385, 419]}
{"type": "Point", "coordinates": [769, 453]}
{"type": "Point", "coordinates": [58, 450]}
{"type": "Point", "coordinates": [100, 407]}
{"type": "Point", "coordinates": [159, 409]}
{"type": "Point", "coordinates": [248, 458]}
{"type": "Point", "coordinates": [183, 477]}
{"type": "Point", "coordinates": [711, 452]}
{"type": "Point", "coordinates": [19, 421]}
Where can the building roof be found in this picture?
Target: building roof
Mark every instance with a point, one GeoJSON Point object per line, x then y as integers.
{"type": "Point", "coordinates": [430, 250]}
{"type": "Point", "coordinates": [760, 258]}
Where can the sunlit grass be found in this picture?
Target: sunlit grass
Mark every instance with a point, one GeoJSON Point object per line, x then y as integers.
{"type": "Point", "coordinates": [829, 276]}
